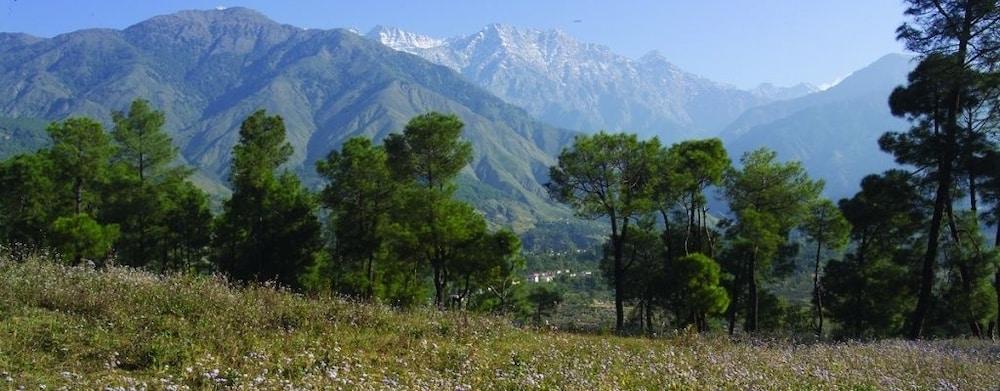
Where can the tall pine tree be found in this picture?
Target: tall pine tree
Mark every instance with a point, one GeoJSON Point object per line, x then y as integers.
{"type": "Point", "coordinates": [80, 154]}
{"type": "Point", "coordinates": [359, 194]}
{"type": "Point", "coordinates": [268, 230]}
{"type": "Point", "coordinates": [426, 158]}
{"type": "Point", "coordinates": [144, 180]}
{"type": "Point", "coordinates": [769, 198]}
{"type": "Point", "coordinates": [957, 39]}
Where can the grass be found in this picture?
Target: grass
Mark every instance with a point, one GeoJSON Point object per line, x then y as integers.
{"type": "Point", "coordinates": [118, 328]}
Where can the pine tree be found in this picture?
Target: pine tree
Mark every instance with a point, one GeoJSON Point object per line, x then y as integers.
{"type": "Point", "coordinates": [869, 292]}
{"type": "Point", "coordinates": [27, 194]}
{"type": "Point", "coordinates": [608, 175]}
{"type": "Point", "coordinates": [359, 194]}
{"type": "Point", "coordinates": [956, 39]}
{"type": "Point", "coordinates": [80, 155]}
{"type": "Point", "coordinates": [696, 279]}
{"type": "Point", "coordinates": [769, 198]}
{"type": "Point", "coordinates": [142, 180]}
{"type": "Point", "coordinates": [697, 164]}
{"type": "Point", "coordinates": [425, 159]}
{"type": "Point", "coordinates": [826, 227]}
{"type": "Point", "coordinates": [268, 230]}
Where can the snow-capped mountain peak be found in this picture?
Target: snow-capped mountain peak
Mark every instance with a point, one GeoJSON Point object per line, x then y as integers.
{"type": "Point", "coordinates": [403, 40]}
{"type": "Point", "coordinates": [583, 86]}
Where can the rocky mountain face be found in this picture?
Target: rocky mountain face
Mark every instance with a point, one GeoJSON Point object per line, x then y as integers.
{"type": "Point", "coordinates": [208, 70]}
{"type": "Point", "coordinates": [833, 132]}
{"type": "Point", "coordinates": [586, 86]}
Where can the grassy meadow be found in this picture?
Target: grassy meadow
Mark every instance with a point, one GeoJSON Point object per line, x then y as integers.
{"type": "Point", "coordinates": [118, 328]}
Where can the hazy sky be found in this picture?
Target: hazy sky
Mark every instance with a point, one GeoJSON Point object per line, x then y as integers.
{"type": "Point", "coordinates": [742, 42]}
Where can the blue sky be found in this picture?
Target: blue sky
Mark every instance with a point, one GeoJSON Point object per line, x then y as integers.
{"type": "Point", "coordinates": [742, 42]}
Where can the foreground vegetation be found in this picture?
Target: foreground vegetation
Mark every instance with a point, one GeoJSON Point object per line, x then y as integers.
{"type": "Point", "coordinates": [81, 328]}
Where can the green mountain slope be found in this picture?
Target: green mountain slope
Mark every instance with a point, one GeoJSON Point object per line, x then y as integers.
{"type": "Point", "coordinates": [209, 69]}
{"type": "Point", "coordinates": [20, 135]}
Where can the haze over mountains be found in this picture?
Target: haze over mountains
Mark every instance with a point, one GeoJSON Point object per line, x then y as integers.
{"type": "Point", "coordinates": [522, 93]}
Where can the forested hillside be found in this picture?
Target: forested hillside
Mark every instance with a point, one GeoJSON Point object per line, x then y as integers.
{"type": "Point", "coordinates": [21, 135]}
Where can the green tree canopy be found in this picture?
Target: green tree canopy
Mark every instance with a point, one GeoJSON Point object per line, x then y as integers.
{"type": "Point", "coordinates": [80, 237]}
{"type": "Point", "coordinates": [696, 279]}
{"type": "Point", "coordinates": [27, 194]}
{"type": "Point", "coordinates": [872, 288]}
{"type": "Point", "coordinates": [441, 244]}
{"type": "Point", "coordinates": [430, 151]}
{"type": "Point", "coordinates": [693, 166]}
{"type": "Point", "coordinates": [359, 193]}
{"type": "Point", "coordinates": [143, 147]}
{"type": "Point", "coordinates": [80, 152]}
{"type": "Point", "coordinates": [144, 178]}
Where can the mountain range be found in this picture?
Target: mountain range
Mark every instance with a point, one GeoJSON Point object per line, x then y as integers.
{"type": "Point", "coordinates": [209, 69]}
{"type": "Point", "coordinates": [522, 93]}
{"type": "Point", "coordinates": [586, 86]}
{"type": "Point", "coordinates": [833, 132]}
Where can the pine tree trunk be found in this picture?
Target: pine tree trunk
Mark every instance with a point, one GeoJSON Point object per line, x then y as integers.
{"type": "Point", "coordinates": [619, 284]}
{"type": "Point", "coordinates": [439, 299]}
{"type": "Point", "coordinates": [666, 239]}
{"type": "Point", "coordinates": [617, 237]}
{"type": "Point", "coordinates": [753, 299]}
{"type": "Point", "coordinates": [996, 282]}
{"type": "Point", "coordinates": [371, 276]}
{"type": "Point", "coordinates": [709, 244]}
{"type": "Point", "coordinates": [734, 303]}
{"type": "Point", "coordinates": [649, 317]}
{"type": "Point", "coordinates": [927, 276]}
{"type": "Point", "coordinates": [78, 192]}
{"type": "Point", "coordinates": [817, 295]}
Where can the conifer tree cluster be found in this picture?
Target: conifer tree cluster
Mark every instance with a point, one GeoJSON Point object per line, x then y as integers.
{"type": "Point", "coordinates": [93, 195]}
{"type": "Point", "coordinates": [394, 226]}
{"type": "Point", "coordinates": [917, 261]}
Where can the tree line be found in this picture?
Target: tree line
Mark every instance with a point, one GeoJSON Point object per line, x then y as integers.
{"type": "Point", "coordinates": [393, 223]}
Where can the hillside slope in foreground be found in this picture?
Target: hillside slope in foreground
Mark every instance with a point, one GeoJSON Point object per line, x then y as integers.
{"type": "Point", "coordinates": [79, 328]}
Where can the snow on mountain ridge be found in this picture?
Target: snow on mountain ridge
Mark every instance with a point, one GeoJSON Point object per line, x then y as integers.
{"type": "Point", "coordinates": [584, 86]}
{"type": "Point", "coordinates": [403, 40]}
